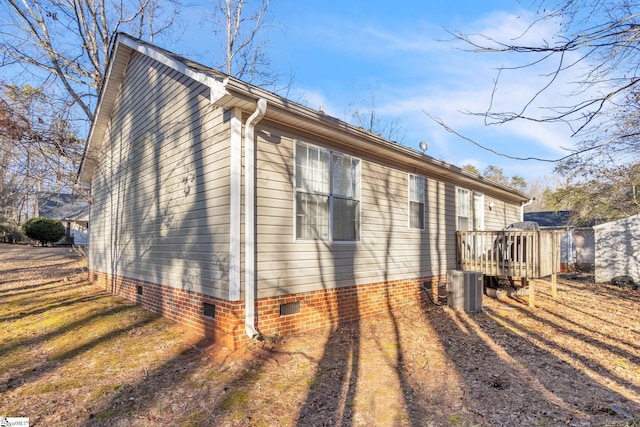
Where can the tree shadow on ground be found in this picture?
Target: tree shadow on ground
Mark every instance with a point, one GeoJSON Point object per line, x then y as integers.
{"type": "Point", "coordinates": [337, 376]}
{"type": "Point", "coordinates": [35, 270]}
{"type": "Point", "coordinates": [50, 364]}
{"type": "Point", "coordinates": [510, 351]}
{"type": "Point", "coordinates": [46, 306]}
{"type": "Point", "coordinates": [198, 386]}
{"type": "Point", "coordinates": [27, 289]}
{"type": "Point", "coordinates": [352, 356]}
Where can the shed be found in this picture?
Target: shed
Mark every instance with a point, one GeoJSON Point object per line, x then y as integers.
{"type": "Point", "coordinates": [617, 251]}
{"type": "Point", "coordinates": [577, 247]}
{"type": "Point", "coordinates": [242, 213]}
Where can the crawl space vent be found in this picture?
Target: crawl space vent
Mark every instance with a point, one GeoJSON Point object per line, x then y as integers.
{"type": "Point", "coordinates": [209, 310]}
{"type": "Point", "coordinates": [290, 308]}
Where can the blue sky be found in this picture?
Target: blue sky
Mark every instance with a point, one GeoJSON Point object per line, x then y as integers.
{"type": "Point", "coordinates": [343, 54]}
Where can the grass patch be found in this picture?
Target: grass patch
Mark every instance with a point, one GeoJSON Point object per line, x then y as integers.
{"type": "Point", "coordinates": [106, 414]}
{"type": "Point", "coordinates": [96, 394]}
{"type": "Point", "coordinates": [454, 419]}
{"type": "Point", "coordinates": [234, 400]}
{"type": "Point", "coordinates": [56, 386]}
{"type": "Point", "coordinates": [195, 419]}
{"type": "Point", "coordinates": [67, 337]}
{"type": "Point", "coordinates": [401, 418]}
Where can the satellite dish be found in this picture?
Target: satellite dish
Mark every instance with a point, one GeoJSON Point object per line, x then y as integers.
{"type": "Point", "coordinates": [424, 146]}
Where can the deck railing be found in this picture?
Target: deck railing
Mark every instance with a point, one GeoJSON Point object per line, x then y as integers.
{"type": "Point", "coordinates": [522, 253]}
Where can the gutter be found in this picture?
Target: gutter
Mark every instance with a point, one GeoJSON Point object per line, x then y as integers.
{"type": "Point", "coordinates": [250, 219]}
{"type": "Point", "coordinates": [299, 117]}
{"type": "Point", "coordinates": [522, 207]}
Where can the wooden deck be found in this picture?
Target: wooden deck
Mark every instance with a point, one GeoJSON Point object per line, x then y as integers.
{"type": "Point", "coordinates": [521, 253]}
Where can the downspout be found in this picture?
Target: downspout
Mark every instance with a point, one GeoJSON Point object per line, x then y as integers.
{"type": "Point", "coordinates": [250, 219]}
{"type": "Point", "coordinates": [522, 207]}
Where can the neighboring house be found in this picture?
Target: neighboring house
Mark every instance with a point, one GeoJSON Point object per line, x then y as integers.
{"type": "Point", "coordinates": [618, 249]}
{"type": "Point", "coordinates": [239, 212]}
{"type": "Point", "coordinates": [577, 247]}
{"type": "Point", "coordinates": [72, 210]}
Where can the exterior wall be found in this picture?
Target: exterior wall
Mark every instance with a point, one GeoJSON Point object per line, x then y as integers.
{"type": "Point", "coordinates": [500, 215]}
{"type": "Point", "coordinates": [160, 209]}
{"type": "Point", "coordinates": [161, 218]}
{"type": "Point", "coordinates": [320, 308]}
{"type": "Point", "coordinates": [181, 305]}
{"type": "Point", "coordinates": [388, 250]}
{"type": "Point", "coordinates": [584, 243]}
{"type": "Point", "coordinates": [576, 249]}
{"type": "Point", "coordinates": [617, 249]}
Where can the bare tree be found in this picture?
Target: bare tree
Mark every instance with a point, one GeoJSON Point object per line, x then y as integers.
{"type": "Point", "coordinates": [242, 24]}
{"type": "Point", "coordinates": [593, 58]}
{"type": "Point", "coordinates": [369, 119]}
{"type": "Point", "coordinates": [69, 39]}
{"type": "Point", "coordinates": [597, 40]}
{"type": "Point", "coordinates": [39, 149]}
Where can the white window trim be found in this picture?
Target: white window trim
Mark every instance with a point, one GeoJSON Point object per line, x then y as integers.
{"type": "Point", "coordinates": [423, 201]}
{"type": "Point", "coordinates": [330, 195]}
{"type": "Point", "coordinates": [469, 217]}
{"type": "Point", "coordinates": [478, 211]}
{"type": "Point", "coordinates": [475, 203]}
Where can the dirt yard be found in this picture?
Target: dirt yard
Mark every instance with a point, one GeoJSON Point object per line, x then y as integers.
{"type": "Point", "coordinates": [72, 355]}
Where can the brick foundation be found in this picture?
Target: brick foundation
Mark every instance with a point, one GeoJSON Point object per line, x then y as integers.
{"type": "Point", "coordinates": [317, 309]}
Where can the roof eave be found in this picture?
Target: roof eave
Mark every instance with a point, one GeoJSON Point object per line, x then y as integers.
{"type": "Point", "coordinates": [229, 92]}
{"type": "Point", "coordinates": [244, 96]}
{"type": "Point", "coordinates": [124, 45]}
{"type": "Point", "coordinates": [106, 100]}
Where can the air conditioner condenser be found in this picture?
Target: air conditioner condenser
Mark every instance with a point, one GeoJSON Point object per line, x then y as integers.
{"type": "Point", "coordinates": [464, 290]}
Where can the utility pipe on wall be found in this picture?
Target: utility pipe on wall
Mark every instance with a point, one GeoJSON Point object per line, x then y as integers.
{"type": "Point", "coordinates": [250, 219]}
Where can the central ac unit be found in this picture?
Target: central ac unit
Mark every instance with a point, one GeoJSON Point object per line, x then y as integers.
{"type": "Point", "coordinates": [464, 290]}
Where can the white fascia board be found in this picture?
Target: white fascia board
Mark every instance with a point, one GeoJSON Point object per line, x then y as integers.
{"type": "Point", "coordinates": [217, 90]}
{"type": "Point", "coordinates": [217, 85]}
{"type": "Point", "coordinates": [97, 127]}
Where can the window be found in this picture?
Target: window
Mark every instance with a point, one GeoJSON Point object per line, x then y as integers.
{"type": "Point", "coordinates": [327, 195]}
{"type": "Point", "coordinates": [469, 216]}
{"type": "Point", "coordinates": [462, 209]}
{"type": "Point", "coordinates": [416, 202]}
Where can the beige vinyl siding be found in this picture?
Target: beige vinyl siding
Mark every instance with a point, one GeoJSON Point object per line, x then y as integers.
{"type": "Point", "coordinates": [388, 249]}
{"type": "Point", "coordinates": [161, 190]}
{"type": "Point", "coordinates": [501, 215]}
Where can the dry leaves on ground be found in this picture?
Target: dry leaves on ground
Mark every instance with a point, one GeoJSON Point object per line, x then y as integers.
{"type": "Point", "coordinates": [72, 355]}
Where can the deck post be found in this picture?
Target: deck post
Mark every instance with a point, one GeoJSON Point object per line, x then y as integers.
{"type": "Point", "coordinates": [532, 292]}
{"type": "Point", "coordinates": [554, 285]}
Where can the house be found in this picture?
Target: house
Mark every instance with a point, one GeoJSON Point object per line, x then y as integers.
{"type": "Point", "coordinates": [577, 247]}
{"type": "Point", "coordinates": [241, 213]}
{"type": "Point", "coordinates": [72, 210]}
{"type": "Point", "coordinates": [617, 251]}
